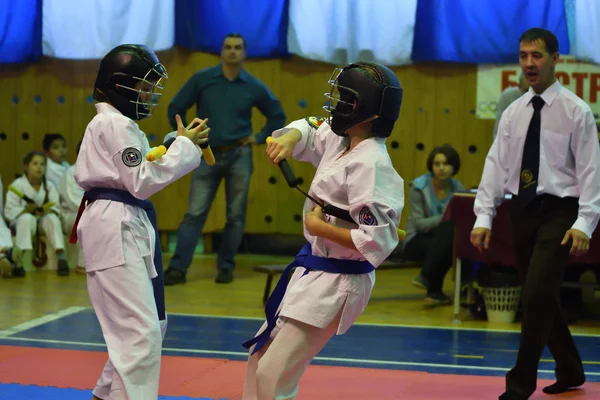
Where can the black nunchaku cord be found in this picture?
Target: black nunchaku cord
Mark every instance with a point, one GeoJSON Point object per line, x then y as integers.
{"type": "Point", "coordinates": [328, 209]}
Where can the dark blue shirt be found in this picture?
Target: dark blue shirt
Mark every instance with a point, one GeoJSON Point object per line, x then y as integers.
{"type": "Point", "coordinates": [227, 105]}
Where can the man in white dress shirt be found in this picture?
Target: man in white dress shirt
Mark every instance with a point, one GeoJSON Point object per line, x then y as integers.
{"type": "Point", "coordinates": [547, 156]}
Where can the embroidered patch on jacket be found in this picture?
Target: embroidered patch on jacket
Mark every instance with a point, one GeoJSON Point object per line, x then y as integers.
{"type": "Point", "coordinates": [366, 217]}
{"type": "Point", "coordinates": [131, 157]}
{"type": "Point", "coordinates": [315, 122]}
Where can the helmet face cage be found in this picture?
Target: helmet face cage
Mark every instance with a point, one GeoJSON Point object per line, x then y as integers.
{"type": "Point", "coordinates": [146, 100]}
{"type": "Point", "coordinates": [347, 98]}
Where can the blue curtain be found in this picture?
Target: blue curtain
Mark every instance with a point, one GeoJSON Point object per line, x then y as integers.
{"type": "Point", "coordinates": [483, 31]}
{"type": "Point", "coordinates": [20, 31]}
{"type": "Point", "coordinates": [202, 25]}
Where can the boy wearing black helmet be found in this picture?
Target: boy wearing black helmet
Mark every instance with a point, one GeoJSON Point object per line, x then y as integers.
{"type": "Point", "coordinates": [334, 274]}
{"type": "Point", "coordinates": [116, 224]}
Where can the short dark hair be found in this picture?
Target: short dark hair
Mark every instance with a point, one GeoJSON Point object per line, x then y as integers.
{"type": "Point", "coordinates": [451, 155]}
{"type": "Point", "coordinates": [548, 37]}
{"type": "Point", "coordinates": [50, 138]}
{"type": "Point", "coordinates": [235, 35]}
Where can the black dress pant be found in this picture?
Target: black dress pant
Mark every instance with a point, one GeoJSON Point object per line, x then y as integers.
{"type": "Point", "coordinates": [434, 250]}
{"type": "Point", "coordinates": [537, 232]}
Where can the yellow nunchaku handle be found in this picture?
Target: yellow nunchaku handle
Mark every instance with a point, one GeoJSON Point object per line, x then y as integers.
{"type": "Point", "coordinates": [17, 192]}
{"type": "Point", "coordinates": [401, 232]}
{"type": "Point", "coordinates": [48, 205]}
{"type": "Point", "coordinates": [156, 153]}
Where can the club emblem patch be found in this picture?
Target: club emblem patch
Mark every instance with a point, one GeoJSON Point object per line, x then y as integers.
{"type": "Point", "coordinates": [366, 217]}
{"type": "Point", "coordinates": [315, 122]}
{"type": "Point", "coordinates": [131, 157]}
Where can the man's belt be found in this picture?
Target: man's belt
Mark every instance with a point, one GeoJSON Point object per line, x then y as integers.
{"type": "Point", "coordinates": [234, 145]}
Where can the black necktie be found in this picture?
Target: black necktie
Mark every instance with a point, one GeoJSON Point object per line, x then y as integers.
{"type": "Point", "coordinates": [530, 164]}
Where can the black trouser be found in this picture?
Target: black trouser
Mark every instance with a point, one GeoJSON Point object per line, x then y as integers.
{"type": "Point", "coordinates": [537, 232]}
{"type": "Point", "coordinates": [434, 250]}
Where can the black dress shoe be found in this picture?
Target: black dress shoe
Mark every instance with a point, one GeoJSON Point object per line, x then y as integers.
{"type": "Point", "coordinates": [511, 395]}
{"type": "Point", "coordinates": [224, 276]}
{"type": "Point", "coordinates": [561, 387]}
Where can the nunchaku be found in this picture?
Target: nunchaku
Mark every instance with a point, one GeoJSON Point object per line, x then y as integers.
{"type": "Point", "coordinates": [327, 209]}
{"type": "Point", "coordinates": [28, 200]}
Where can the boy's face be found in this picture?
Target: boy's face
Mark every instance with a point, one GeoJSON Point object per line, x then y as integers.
{"type": "Point", "coordinates": [58, 151]}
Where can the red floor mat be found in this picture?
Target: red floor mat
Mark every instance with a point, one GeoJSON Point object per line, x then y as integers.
{"type": "Point", "coordinates": [201, 377]}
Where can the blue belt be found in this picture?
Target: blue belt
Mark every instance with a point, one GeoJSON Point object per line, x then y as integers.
{"type": "Point", "coordinates": [123, 196]}
{"type": "Point", "coordinates": [303, 259]}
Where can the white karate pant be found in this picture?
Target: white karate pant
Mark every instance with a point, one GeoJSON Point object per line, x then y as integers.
{"type": "Point", "coordinates": [123, 300]}
{"type": "Point", "coordinates": [68, 220]}
{"type": "Point", "coordinates": [274, 371]}
{"type": "Point", "coordinates": [26, 227]}
{"type": "Point", "coordinates": [5, 235]}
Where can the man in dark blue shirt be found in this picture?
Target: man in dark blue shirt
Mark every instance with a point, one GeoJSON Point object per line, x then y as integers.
{"type": "Point", "coordinates": [225, 94]}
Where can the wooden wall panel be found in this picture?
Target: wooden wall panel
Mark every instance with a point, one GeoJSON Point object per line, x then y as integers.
{"type": "Point", "coordinates": [438, 107]}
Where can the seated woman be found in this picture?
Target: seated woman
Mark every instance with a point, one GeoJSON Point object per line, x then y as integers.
{"type": "Point", "coordinates": [428, 239]}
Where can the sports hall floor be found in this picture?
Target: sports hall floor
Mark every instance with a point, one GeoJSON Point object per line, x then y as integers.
{"type": "Point", "coordinates": [51, 346]}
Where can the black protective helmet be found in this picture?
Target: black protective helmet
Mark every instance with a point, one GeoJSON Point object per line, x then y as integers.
{"type": "Point", "coordinates": [119, 77]}
{"type": "Point", "coordinates": [356, 95]}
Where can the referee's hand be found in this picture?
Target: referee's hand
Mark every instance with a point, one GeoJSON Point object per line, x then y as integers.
{"type": "Point", "coordinates": [480, 238]}
{"type": "Point", "coordinates": [580, 242]}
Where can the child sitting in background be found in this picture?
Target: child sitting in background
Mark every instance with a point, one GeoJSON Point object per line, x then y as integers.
{"type": "Point", "coordinates": [55, 148]}
{"type": "Point", "coordinates": [8, 253]}
{"type": "Point", "coordinates": [28, 217]}
{"type": "Point", "coordinates": [70, 195]}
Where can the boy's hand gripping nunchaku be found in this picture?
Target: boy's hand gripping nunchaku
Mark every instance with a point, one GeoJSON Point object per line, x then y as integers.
{"type": "Point", "coordinates": [327, 209]}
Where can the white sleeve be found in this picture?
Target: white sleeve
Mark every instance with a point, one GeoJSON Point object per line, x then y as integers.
{"type": "Point", "coordinates": [52, 173]}
{"type": "Point", "coordinates": [143, 178]}
{"type": "Point", "coordinates": [316, 134]}
{"type": "Point", "coordinates": [14, 204]}
{"type": "Point", "coordinates": [53, 197]}
{"type": "Point", "coordinates": [376, 199]}
{"type": "Point", "coordinates": [585, 148]}
{"type": "Point", "coordinates": [493, 180]}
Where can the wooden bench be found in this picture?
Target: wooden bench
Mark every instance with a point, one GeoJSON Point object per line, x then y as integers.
{"type": "Point", "coordinates": [276, 269]}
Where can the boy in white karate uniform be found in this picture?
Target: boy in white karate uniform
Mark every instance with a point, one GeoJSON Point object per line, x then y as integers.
{"type": "Point", "coordinates": [116, 226]}
{"type": "Point", "coordinates": [55, 148]}
{"type": "Point", "coordinates": [335, 271]}
{"type": "Point", "coordinates": [34, 219]}
{"type": "Point", "coordinates": [70, 195]}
